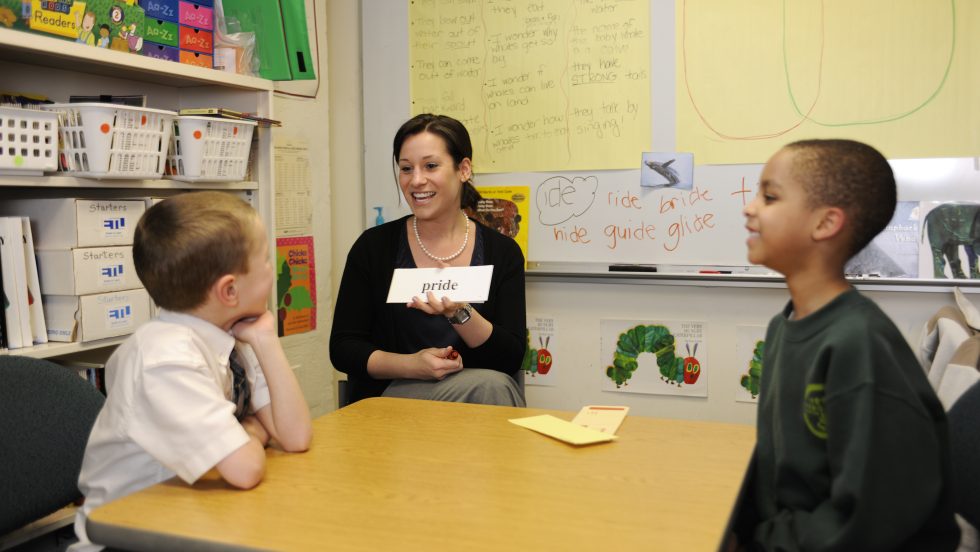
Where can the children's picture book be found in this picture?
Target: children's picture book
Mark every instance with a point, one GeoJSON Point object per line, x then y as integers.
{"type": "Point", "coordinates": [39, 331]}
{"type": "Point", "coordinates": [657, 357]}
{"type": "Point", "coordinates": [15, 283]}
{"type": "Point", "coordinates": [505, 209]}
{"type": "Point", "coordinates": [225, 113]}
{"type": "Point", "coordinates": [540, 363]}
{"type": "Point", "coordinates": [894, 253]}
{"type": "Point", "coordinates": [949, 240]}
{"type": "Point", "coordinates": [295, 285]}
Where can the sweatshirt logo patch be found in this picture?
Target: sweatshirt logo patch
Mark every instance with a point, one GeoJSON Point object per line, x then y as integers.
{"type": "Point", "coordinates": [813, 411]}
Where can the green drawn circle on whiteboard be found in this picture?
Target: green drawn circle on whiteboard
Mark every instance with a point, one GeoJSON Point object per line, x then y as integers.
{"type": "Point", "coordinates": [18, 160]}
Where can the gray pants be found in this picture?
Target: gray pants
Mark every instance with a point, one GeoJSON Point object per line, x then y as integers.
{"type": "Point", "coordinates": [469, 385]}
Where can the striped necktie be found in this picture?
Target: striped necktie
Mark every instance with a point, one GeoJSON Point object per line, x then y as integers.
{"type": "Point", "coordinates": [241, 393]}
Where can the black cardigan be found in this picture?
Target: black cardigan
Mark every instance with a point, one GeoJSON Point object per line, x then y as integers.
{"type": "Point", "coordinates": [363, 323]}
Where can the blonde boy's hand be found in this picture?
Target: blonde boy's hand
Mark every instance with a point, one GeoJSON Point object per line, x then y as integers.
{"type": "Point", "coordinates": [286, 419]}
{"type": "Point", "coordinates": [254, 330]}
{"type": "Point", "coordinates": [255, 429]}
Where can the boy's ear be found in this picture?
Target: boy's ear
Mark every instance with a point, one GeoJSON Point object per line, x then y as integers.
{"type": "Point", "coordinates": [225, 290]}
{"type": "Point", "coordinates": [830, 224]}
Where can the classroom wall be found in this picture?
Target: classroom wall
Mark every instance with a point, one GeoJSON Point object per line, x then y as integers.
{"type": "Point", "coordinates": [346, 133]}
{"type": "Point", "coordinates": [576, 305]}
{"type": "Point", "coordinates": [309, 120]}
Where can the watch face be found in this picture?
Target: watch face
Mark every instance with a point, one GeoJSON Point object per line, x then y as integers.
{"type": "Point", "coordinates": [461, 315]}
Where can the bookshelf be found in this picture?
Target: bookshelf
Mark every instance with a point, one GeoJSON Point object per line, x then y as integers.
{"type": "Point", "coordinates": [39, 64]}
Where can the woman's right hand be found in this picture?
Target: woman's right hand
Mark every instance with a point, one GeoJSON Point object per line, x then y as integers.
{"type": "Point", "coordinates": [435, 363]}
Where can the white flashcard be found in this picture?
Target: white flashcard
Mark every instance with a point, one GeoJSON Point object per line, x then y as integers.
{"type": "Point", "coordinates": [469, 284]}
{"type": "Point", "coordinates": [606, 419]}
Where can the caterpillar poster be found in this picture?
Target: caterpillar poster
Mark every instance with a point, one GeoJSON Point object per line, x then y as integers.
{"type": "Point", "coordinates": [658, 357]}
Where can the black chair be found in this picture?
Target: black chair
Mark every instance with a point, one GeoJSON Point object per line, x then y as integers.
{"type": "Point", "coordinates": [964, 440]}
{"type": "Point", "coordinates": [46, 414]}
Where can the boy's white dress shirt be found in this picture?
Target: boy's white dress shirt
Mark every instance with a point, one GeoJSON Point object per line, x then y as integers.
{"type": "Point", "coordinates": [168, 410]}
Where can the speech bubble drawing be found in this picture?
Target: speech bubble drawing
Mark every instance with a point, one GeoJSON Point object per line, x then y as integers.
{"type": "Point", "coordinates": [560, 198]}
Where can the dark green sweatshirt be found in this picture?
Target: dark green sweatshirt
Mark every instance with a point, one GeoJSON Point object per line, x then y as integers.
{"type": "Point", "coordinates": [852, 449]}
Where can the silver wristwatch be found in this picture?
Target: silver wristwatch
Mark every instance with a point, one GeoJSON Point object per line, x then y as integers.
{"type": "Point", "coordinates": [461, 316]}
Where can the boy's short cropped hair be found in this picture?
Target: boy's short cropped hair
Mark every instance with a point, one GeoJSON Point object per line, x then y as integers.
{"type": "Point", "coordinates": [850, 175]}
{"type": "Point", "coordinates": [183, 244]}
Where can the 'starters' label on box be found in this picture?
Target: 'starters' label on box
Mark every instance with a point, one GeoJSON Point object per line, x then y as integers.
{"type": "Point", "coordinates": [118, 310]}
{"type": "Point", "coordinates": [111, 274]}
{"type": "Point", "coordinates": [119, 317]}
{"type": "Point", "coordinates": [110, 267]}
{"type": "Point", "coordinates": [109, 222]}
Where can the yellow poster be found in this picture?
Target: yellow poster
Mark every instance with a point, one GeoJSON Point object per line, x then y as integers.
{"type": "Point", "coordinates": [900, 75]}
{"type": "Point", "coordinates": [541, 86]}
{"type": "Point", "coordinates": [504, 208]}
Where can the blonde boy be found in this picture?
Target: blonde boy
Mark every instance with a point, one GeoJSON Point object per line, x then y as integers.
{"type": "Point", "coordinates": [852, 442]}
{"type": "Point", "coordinates": [205, 384]}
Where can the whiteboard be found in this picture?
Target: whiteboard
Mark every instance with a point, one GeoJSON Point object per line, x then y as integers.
{"type": "Point", "coordinates": [683, 234]}
{"type": "Point", "coordinates": [606, 216]}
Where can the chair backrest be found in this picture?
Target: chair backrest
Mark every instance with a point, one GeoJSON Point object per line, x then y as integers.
{"type": "Point", "coordinates": [964, 444]}
{"type": "Point", "coordinates": [46, 414]}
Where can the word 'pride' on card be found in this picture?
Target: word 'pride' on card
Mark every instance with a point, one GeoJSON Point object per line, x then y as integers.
{"type": "Point", "coordinates": [469, 284]}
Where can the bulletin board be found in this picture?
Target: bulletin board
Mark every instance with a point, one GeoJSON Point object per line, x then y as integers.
{"type": "Point", "coordinates": [730, 82]}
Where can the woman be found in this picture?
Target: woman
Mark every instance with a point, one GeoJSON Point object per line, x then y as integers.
{"type": "Point", "coordinates": [419, 350]}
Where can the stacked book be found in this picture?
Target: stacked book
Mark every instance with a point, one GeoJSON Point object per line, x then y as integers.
{"type": "Point", "coordinates": [87, 280]}
{"type": "Point", "coordinates": [22, 323]}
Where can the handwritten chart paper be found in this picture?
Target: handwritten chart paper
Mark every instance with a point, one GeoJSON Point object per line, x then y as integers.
{"type": "Point", "coordinates": [556, 85]}
{"type": "Point", "coordinates": [899, 75]}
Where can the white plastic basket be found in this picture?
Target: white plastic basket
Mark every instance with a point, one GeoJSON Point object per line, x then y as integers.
{"type": "Point", "coordinates": [28, 141]}
{"type": "Point", "coordinates": [207, 149]}
{"type": "Point", "coordinates": [101, 140]}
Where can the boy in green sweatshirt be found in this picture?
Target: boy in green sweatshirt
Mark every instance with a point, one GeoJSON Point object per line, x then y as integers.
{"type": "Point", "coordinates": [852, 449]}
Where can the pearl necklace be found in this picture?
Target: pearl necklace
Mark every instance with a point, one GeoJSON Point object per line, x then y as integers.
{"type": "Point", "coordinates": [466, 239]}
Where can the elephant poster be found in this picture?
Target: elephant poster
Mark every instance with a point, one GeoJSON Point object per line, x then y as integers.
{"type": "Point", "coordinates": [894, 253]}
{"type": "Point", "coordinates": [949, 241]}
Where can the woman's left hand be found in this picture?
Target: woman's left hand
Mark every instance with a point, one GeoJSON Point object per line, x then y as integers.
{"type": "Point", "coordinates": [443, 307]}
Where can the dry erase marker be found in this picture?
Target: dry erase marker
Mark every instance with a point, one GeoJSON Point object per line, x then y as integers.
{"type": "Point", "coordinates": [631, 268]}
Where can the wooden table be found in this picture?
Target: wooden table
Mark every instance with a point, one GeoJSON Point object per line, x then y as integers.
{"type": "Point", "coordinates": [398, 474]}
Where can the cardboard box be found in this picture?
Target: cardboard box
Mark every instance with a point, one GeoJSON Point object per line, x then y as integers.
{"type": "Point", "coordinates": [188, 57]}
{"type": "Point", "coordinates": [91, 317]}
{"type": "Point", "coordinates": [196, 15]}
{"type": "Point", "coordinates": [161, 32]}
{"type": "Point", "coordinates": [67, 223]}
{"type": "Point", "coordinates": [161, 51]}
{"type": "Point", "coordinates": [86, 270]}
{"type": "Point", "coordinates": [168, 10]}
{"type": "Point", "coordinates": [196, 40]}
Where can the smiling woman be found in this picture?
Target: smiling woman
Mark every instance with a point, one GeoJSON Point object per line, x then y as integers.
{"type": "Point", "coordinates": [418, 350]}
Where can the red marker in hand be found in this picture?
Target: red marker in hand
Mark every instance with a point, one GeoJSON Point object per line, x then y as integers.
{"type": "Point", "coordinates": [453, 355]}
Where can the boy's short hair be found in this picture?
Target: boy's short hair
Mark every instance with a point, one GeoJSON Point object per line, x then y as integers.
{"type": "Point", "coordinates": [850, 175]}
{"type": "Point", "coordinates": [183, 244]}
